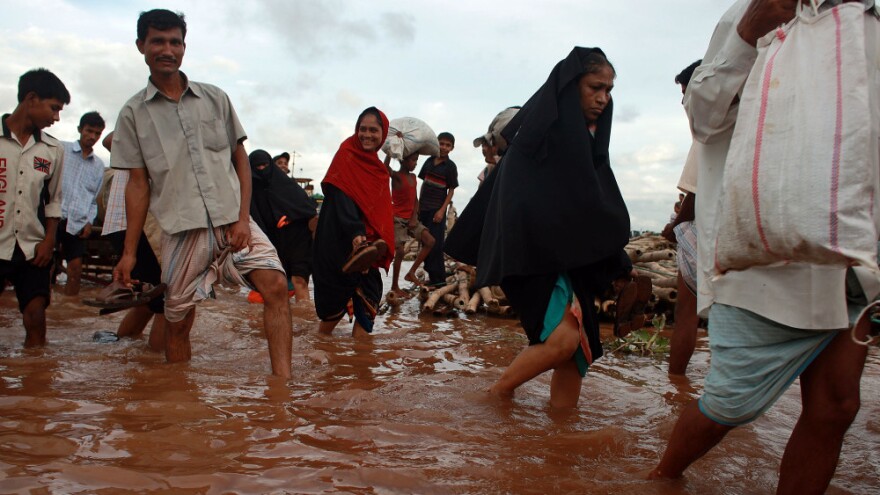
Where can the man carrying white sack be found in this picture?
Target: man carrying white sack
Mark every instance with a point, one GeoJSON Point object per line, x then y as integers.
{"type": "Point", "coordinates": [774, 323]}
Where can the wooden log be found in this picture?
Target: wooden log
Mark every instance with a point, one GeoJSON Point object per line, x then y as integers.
{"type": "Point", "coordinates": [652, 275]}
{"type": "Point", "coordinates": [393, 299]}
{"type": "Point", "coordinates": [449, 298]}
{"type": "Point", "coordinates": [666, 283]}
{"type": "Point", "coordinates": [437, 294]}
{"type": "Point", "coordinates": [650, 242]}
{"type": "Point", "coordinates": [665, 254]}
{"type": "Point", "coordinates": [424, 293]}
{"type": "Point", "coordinates": [501, 310]}
{"type": "Point", "coordinates": [633, 252]}
{"type": "Point", "coordinates": [454, 301]}
{"type": "Point", "coordinates": [666, 294]}
{"type": "Point", "coordinates": [642, 248]}
{"type": "Point", "coordinates": [463, 283]}
{"type": "Point", "coordinates": [499, 294]}
{"type": "Point", "coordinates": [468, 269]}
{"type": "Point", "coordinates": [473, 304]}
{"type": "Point", "coordinates": [444, 309]}
{"type": "Point", "coordinates": [488, 297]}
{"type": "Point", "coordinates": [656, 269]}
{"type": "Point", "coordinates": [609, 307]}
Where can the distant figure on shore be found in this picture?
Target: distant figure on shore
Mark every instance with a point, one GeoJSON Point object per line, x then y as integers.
{"type": "Point", "coordinates": [83, 176]}
{"type": "Point", "coordinates": [355, 234]}
{"type": "Point", "coordinates": [285, 213]}
{"type": "Point", "coordinates": [282, 161]}
{"type": "Point", "coordinates": [406, 219]}
{"type": "Point", "coordinates": [439, 179]}
{"type": "Point", "coordinates": [772, 324]}
{"type": "Point", "coordinates": [30, 163]}
{"type": "Point", "coordinates": [553, 255]}
{"type": "Point", "coordinates": [199, 189]}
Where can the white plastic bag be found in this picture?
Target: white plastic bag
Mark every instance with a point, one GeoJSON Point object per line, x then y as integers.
{"type": "Point", "coordinates": [415, 137]}
{"type": "Point", "coordinates": [801, 175]}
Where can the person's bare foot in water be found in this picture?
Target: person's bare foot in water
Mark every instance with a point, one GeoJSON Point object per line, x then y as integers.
{"type": "Point", "coordinates": [497, 392]}
{"type": "Point", "coordinates": [411, 277]}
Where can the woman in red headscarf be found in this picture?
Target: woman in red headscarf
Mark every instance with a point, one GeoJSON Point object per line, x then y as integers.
{"type": "Point", "coordinates": [355, 234]}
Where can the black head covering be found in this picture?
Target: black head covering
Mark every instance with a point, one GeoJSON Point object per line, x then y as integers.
{"type": "Point", "coordinates": [276, 195]}
{"type": "Point", "coordinates": [552, 204]}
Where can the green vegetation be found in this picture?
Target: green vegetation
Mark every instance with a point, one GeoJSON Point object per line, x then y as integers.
{"type": "Point", "coordinates": [643, 342]}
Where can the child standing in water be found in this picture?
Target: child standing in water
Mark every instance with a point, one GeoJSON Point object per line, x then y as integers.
{"type": "Point", "coordinates": [406, 220]}
{"type": "Point", "coordinates": [355, 231]}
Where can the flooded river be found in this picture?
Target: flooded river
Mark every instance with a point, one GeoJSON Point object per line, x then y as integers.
{"type": "Point", "coordinates": [402, 412]}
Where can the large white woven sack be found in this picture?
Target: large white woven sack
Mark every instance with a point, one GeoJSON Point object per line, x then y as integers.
{"type": "Point", "coordinates": [415, 137]}
{"type": "Point", "coordinates": [801, 176]}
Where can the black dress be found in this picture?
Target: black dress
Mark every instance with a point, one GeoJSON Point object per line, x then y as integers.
{"type": "Point", "coordinates": [341, 221]}
{"type": "Point", "coordinates": [551, 207]}
{"type": "Point", "coordinates": [277, 198]}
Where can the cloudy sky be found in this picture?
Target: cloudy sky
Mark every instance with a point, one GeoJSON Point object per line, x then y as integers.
{"type": "Point", "coordinates": [300, 71]}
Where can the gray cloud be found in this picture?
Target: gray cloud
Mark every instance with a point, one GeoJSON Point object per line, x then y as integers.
{"type": "Point", "coordinates": [626, 114]}
{"type": "Point", "coordinates": [312, 30]}
{"type": "Point", "coordinates": [299, 72]}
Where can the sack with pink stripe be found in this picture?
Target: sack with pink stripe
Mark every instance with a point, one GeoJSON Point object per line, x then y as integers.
{"type": "Point", "coordinates": [802, 171]}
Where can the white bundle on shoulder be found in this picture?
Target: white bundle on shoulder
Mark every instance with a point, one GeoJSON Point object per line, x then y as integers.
{"type": "Point", "coordinates": [409, 135]}
{"type": "Point", "coordinates": [801, 177]}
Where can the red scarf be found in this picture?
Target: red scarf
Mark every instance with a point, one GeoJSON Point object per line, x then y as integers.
{"type": "Point", "coordinates": [362, 176]}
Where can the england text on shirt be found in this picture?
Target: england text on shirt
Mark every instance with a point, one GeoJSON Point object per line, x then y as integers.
{"type": "Point", "coordinates": [25, 173]}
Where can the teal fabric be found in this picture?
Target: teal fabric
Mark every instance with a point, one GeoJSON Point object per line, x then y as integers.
{"type": "Point", "coordinates": [560, 299]}
{"type": "Point", "coordinates": [754, 361]}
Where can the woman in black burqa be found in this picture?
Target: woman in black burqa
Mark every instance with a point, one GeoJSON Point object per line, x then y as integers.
{"type": "Point", "coordinates": [551, 224]}
{"type": "Point", "coordinates": [284, 211]}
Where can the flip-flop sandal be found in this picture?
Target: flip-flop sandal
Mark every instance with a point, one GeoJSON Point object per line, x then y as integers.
{"type": "Point", "coordinates": [364, 256]}
{"type": "Point", "coordinates": [631, 303]}
{"type": "Point", "coordinates": [105, 336]}
{"type": "Point", "coordinates": [117, 297]}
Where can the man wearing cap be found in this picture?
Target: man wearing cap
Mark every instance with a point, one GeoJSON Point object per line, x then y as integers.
{"type": "Point", "coordinates": [493, 143]}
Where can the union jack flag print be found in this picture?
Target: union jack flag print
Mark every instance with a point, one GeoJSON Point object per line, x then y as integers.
{"type": "Point", "coordinates": [41, 164]}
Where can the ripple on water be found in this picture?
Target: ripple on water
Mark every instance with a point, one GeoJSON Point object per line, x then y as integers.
{"type": "Point", "coordinates": [404, 411]}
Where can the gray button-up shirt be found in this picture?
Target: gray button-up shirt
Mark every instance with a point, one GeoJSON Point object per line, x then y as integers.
{"type": "Point", "coordinates": [186, 147]}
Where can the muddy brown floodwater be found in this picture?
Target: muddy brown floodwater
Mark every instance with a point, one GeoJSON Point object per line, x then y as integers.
{"type": "Point", "coordinates": [402, 412]}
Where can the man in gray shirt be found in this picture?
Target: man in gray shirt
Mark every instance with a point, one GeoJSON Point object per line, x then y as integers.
{"type": "Point", "coordinates": [182, 142]}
